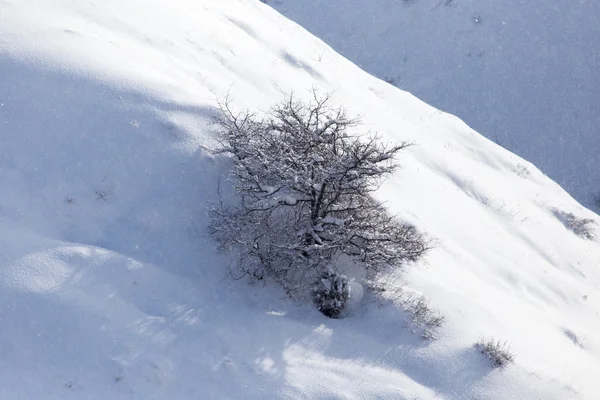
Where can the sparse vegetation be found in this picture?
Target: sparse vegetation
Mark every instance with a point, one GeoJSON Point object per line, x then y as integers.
{"type": "Point", "coordinates": [522, 170]}
{"type": "Point", "coordinates": [422, 317]}
{"type": "Point", "coordinates": [582, 227]}
{"type": "Point", "coordinates": [102, 195]}
{"type": "Point", "coordinates": [331, 293]}
{"type": "Point", "coordinates": [498, 352]}
{"type": "Point", "coordinates": [391, 80]}
{"type": "Point", "coordinates": [305, 182]}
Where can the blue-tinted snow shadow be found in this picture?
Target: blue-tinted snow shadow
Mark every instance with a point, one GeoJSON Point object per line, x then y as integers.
{"type": "Point", "coordinates": [380, 338]}
{"type": "Point", "coordinates": [125, 171]}
{"type": "Point", "coordinates": [244, 27]}
{"type": "Point", "coordinates": [97, 164]}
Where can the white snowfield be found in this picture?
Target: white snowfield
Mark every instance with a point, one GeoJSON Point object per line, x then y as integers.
{"type": "Point", "coordinates": [110, 287]}
{"type": "Point", "coordinates": [525, 74]}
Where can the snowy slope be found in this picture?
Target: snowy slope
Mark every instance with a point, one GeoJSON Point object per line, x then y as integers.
{"type": "Point", "coordinates": [525, 74]}
{"type": "Point", "coordinates": [110, 288]}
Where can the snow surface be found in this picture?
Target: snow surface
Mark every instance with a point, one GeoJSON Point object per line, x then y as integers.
{"type": "Point", "coordinates": [526, 74]}
{"type": "Point", "coordinates": [111, 289]}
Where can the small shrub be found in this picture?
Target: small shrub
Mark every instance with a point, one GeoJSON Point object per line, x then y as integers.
{"type": "Point", "coordinates": [391, 80]}
{"type": "Point", "coordinates": [522, 170]}
{"type": "Point", "coordinates": [331, 293]}
{"type": "Point", "coordinates": [498, 352]}
{"type": "Point", "coordinates": [582, 227]}
{"type": "Point", "coordinates": [422, 316]}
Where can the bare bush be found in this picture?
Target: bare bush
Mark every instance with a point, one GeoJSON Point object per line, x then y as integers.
{"type": "Point", "coordinates": [390, 79]}
{"type": "Point", "coordinates": [522, 170]}
{"type": "Point", "coordinates": [305, 184]}
{"type": "Point", "coordinates": [582, 227]}
{"type": "Point", "coordinates": [498, 352]}
{"type": "Point", "coordinates": [422, 318]}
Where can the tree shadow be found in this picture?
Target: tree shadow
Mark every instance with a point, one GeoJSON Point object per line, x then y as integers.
{"type": "Point", "coordinates": [161, 296]}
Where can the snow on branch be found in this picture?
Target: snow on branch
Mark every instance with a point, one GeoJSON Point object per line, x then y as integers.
{"type": "Point", "coordinates": [305, 178]}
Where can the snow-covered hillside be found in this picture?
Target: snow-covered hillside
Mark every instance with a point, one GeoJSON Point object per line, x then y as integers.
{"type": "Point", "coordinates": [111, 289]}
{"type": "Point", "coordinates": [525, 74]}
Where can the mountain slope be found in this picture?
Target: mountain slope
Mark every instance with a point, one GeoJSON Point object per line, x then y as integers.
{"type": "Point", "coordinates": [110, 287]}
{"type": "Point", "coordinates": [524, 74]}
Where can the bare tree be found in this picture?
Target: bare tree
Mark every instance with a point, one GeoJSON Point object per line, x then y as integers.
{"type": "Point", "coordinates": [305, 183]}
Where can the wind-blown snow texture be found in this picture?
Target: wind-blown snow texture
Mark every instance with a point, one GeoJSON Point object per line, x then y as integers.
{"type": "Point", "coordinates": [525, 74]}
{"type": "Point", "coordinates": [110, 288]}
